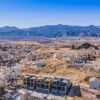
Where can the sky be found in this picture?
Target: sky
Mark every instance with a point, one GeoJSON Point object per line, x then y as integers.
{"type": "Point", "coordinates": [31, 13]}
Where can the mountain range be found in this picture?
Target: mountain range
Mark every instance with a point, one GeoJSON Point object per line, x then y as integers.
{"type": "Point", "coordinates": [50, 31]}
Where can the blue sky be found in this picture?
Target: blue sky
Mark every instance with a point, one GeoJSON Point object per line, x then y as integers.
{"type": "Point", "coordinates": [30, 13]}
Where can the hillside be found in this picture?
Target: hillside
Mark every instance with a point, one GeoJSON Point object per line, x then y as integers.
{"type": "Point", "coordinates": [50, 31]}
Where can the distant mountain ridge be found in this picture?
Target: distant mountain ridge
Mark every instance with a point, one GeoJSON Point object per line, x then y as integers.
{"type": "Point", "coordinates": [50, 31]}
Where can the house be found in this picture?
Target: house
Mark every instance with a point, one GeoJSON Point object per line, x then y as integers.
{"type": "Point", "coordinates": [47, 84]}
{"type": "Point", "coordinates": [86, 45]}
{"type": "Point", "coordinates": [94, 83]}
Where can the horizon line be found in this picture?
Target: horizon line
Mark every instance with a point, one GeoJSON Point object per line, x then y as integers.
{"type": "Point", "coordinates": [48, 25]}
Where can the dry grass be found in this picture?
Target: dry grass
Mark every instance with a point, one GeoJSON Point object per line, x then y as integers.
{"type": "Point", "coordinates": [58, 66]}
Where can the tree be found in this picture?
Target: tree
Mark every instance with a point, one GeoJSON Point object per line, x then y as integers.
{"type": "Point", "coordinates": [73, 47]}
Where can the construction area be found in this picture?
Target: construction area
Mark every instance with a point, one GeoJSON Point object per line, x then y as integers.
{"type": "Point", "coordinates": [15, 86]}
{"type": "Point", "coordinates": [54, 85]}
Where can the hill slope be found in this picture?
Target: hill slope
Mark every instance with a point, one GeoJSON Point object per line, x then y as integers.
{"type": "Point", "coordinates": [50, 31]}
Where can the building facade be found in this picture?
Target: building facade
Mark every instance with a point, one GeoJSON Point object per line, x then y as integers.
{"type": "Point", "coordinates": [94, 83]}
